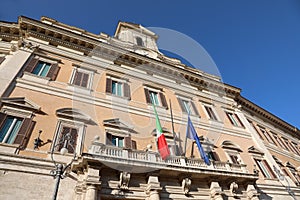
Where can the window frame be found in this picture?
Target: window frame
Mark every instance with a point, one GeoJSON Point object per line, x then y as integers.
{"type": "Point", "coordinates": [211, 115]}
{"type": "Point", "coordinates": [234, 119]}
{"type": "Point", "coordinates": [160, 96]}
{"type": "Point", "coordinates": [264, 168]}
{"type": "Point", "coordinates": [33, 63]}
{"type": "Point", "coordinates": [75, 124]}
{"type": "Point", "coordinates": [125, 87]}
{"type": "Point", "coordinates": [84, 71]}
{"type": "Point", "coordinates": [191, 108]}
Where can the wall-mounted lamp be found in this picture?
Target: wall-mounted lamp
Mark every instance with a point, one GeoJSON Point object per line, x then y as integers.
{"type": "Point", "coordinates": [37, 141]}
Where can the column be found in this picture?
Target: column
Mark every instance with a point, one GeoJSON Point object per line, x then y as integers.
{"type": "Point", "coordinates": [91, 192]}
{"type": "Point", "coordinates": [153, 188]}
{"type": "Point", "coordinates": [216, 191]}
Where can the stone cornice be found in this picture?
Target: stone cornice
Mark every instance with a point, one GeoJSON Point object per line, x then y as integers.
{"type": "Point", "coordinates": [267, 116]}
{"type": "Point", "coordinates": [89, 46]}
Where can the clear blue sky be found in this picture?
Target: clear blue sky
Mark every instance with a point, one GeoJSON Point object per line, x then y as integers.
{"type": "Point", "coordinates": [255, 44]}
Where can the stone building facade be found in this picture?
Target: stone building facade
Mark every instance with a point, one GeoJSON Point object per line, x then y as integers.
{"type": "Point", "coordinates": [62, 86]}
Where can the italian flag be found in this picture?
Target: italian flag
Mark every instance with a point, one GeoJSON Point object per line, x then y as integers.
{"type": "Point", "coordinates": [162, 145]}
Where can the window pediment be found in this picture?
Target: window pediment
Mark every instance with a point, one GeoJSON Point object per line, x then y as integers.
{"type": "Point", "coordinates": [118, 124]}
{"type": "Point", "coordinates": [230, 145]}
{"type": "Point", "coordinates": [21, 102]}
{"type": "Point", "coordinates": [254, 150]}
{"type": "Point", "coordinates": [73, 114]}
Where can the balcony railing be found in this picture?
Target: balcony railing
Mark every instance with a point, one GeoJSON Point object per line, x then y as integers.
{"type": "Point", "coordinates": [113, 154]}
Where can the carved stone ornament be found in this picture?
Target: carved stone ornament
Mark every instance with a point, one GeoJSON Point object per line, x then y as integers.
{"type": "Point", "coordinates": [124, 180]}
{"type": "Point", "coordinates": [186, 185]}
{"type": "Point", "coordinates": [234, 188]}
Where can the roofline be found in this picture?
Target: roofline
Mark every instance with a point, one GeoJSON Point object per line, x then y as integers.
{"type": "Point", "coordinates": [266, 115]}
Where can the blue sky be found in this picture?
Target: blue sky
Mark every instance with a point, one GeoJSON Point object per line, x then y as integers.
{"type": "Point", "coordinates": [255, 44]}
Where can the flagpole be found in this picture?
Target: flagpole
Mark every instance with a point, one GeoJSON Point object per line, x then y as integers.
{"type": "Point", "coordinates": [186, 136]}
{"type": "Point", "coordinates": [172, 122]}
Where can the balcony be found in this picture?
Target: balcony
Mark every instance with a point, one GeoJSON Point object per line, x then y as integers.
{"type": "Point", "coordinates": [138, 161]}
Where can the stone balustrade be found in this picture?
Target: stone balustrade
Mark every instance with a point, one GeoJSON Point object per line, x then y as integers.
{"type": "Point", "coordinates": [114, 154]}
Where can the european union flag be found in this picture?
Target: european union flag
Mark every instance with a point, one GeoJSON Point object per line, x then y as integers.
{"type": "Point", "coordinates": [191, 133]}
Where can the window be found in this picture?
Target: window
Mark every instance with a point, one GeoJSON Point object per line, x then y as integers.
{"type": "Point", "coordinates": [213, 156]}
{"type": "Point", "coordinates": [294, 146]}
{"type": "Point", "coordinates": [64, 131]}
{"type": "Point", "coordinates": [265, 169]}
{"type": "Point", "coordinates": [267, 135]}
{"type": "Point", "coordinates": [279, 141]}
{"type": "Point", "coordinates": [234, 119]}
{"type": "Point", "coordinates": [234, 159]}
{"type": "Point", "coordinates": [81, 79]}
{"type": "Point", "coordinates": [120, 141]}
{"type": "Point", "coordinates": [211, 113]}
{"type": "Point", "coordinates": [187, 106]}
{"type": "Point", "coordinates": [72, 123]}
{"type": "Point", "coordinates": [15, 130]}
{"type": "Point", "coordinates": [42, 69]}
{"type": "Point", "coordinates": [155, 97]}
{"type": "Point", "coordinates": [139, 41]}
{"type": "Point", "coordinates": [117, 87]}
{"type": "Point", "coordinates": [255, 128]}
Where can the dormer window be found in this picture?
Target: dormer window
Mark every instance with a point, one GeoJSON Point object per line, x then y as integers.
{"type": "Point", "coordinates": [139, 41]}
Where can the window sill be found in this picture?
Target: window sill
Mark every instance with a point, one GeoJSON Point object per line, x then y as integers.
{"type": "Point", "coordinates": [36, 78]}
{"type": "Point", "coordinates": [78, 89]}
{"type": "Point", "coordinates": [113, 97]}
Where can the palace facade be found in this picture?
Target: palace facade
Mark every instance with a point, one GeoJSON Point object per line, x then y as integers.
{"type": "Point", "coordinates": [92, 95]}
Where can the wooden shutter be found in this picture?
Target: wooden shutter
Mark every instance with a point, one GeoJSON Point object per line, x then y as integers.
{"type": "Point", "coordinates": [237, 117]}
{"type": "Point", "coordinates": [194, 108]}
{"type": "Point", "coordinates": [215, 156]}
{"type": "Point", "coordinates": [85, 80]}
{"type": "Point", "coordinates": [269, 168]}
{"type": "Point", "coordinates": [24, 132]}
{"type": "Point", "coordinates": [2, 119]}
{"type": "Point", "coordinates": [31, 65]}
{"type": "Point", "coordinates": [133, 143]}
{"type": "Point", "coordinates": [109, 139]}
{"type": "Point", "coordinates": [147, 94]}
{"type": "Point", "coordinates": [54, 69]}
{"type": "Point", "coordinates": [108, 85]}
{"type": "Point", "coordinates": [127, 142]}
{"type": "Point", "coordinates": [77, 78]}
{"type": "Point", "coordinates": [126, 90]}
{"type": "Point", "coordinates": [181, 105]}
{"type": "Point", "coordinates": [74, 135]}
{"type": "Point", "coordinates": [163, 100]}
{"type": "Point", "coordinates": [2, 59]}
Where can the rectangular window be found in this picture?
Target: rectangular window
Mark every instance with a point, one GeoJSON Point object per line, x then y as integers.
{"type": "Point", "coordinates": [256, 129]}
{"type": "Point", "coordinates": [81, 79]}
{"type": "Point", "coordinates": [267, 135]}
{"type": "Point", "coordinates": [9, 129]}
{"type": "Point", "coordinates": [213, 156]}
{"type": "Point", "coordinates": [43, 69]}
{"type": "Point", "coordinates": [155, 97]}
{"type": "Point", "coordinates": [67, 136]}
{"type": "Point", "coordinates": [234, 159]}
{"type": "Point", "coordinates": [15, 130]}
{"type": "Point", "coordinates": [187, 106]}
{"type": "Point", "coordinates": [115, 140]}
{"type": "Point", "coordinates": [279, 141]}
{"type": "Point", "coordinates": [117, 87]}
{"type": "Point", "coordinates": [211, 113]}
{"type": "Point", "coordinates": [265, 169]}
{"type": "Point", "coordinates": [234, 119]}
